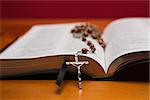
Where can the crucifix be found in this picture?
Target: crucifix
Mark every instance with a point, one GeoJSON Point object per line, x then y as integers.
{"type": "Point", "coordinates": [78, 64]}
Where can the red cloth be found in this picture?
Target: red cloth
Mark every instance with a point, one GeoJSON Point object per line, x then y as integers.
{"type": "Point", "coordinates": [74, 9]}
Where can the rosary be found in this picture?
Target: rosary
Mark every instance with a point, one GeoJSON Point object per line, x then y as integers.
{"type": "Point", "coordinates": [82, 32]}
{"type": "Point", "coordinates": [86, 30]}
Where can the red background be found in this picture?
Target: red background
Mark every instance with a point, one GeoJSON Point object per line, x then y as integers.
{"type": "Point", "coordinates": [74, 9]}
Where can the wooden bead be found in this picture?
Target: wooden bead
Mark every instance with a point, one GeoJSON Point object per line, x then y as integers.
{"type": "Point", "coordinates": [89, 43]}
{"type": "Point", "coordinates": [100, 41]}
{"type": "Point", "coordinates": [93, 50]}
{"type": "Point", "coordinates": [103, 45]}
{"type": "Point", "coordinates": [94, 35]}
{"type": "Point", "coordinates": [78, 31]}
{"type": "Point", "coordinates": [89, 30]}
{"type": "Point", "coordinates": [85, 34]}
{"type": "Point", "coordinates": [92, 46]}
{"type": "Point", "coordinates": [73, 31]}
{"type": "Point", "coordinates": [98, 35]}
{"type": "Point", "coordinates": [84, 50]}
{"type": "Point", "coordinates": [82, 26]}
{"type": "Point", "coordinates": [83, 38]}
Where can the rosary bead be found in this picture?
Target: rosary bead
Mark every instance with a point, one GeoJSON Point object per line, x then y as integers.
{"type": "Point", "coordinates": [78, 30]}
{"type": "Point", "coordinates": [100, 41]}
{"type": "Point", "coordinates": [83, 38]}
{"type": "Point", "coordinates": [82, 26]}
{"type": "Point", "coordinates": [94, 35]}
{"type": "Point", "coordinates": [89, 43]}
{"type": "Point", "coordinates": [89, 30]}
{"type": "Point", "coordinates": [85, 34]}
{"type": "Point", "coordinates": [84, 50]}
{"type": "Point", "coordinates": [91, 46]}
{"type": "Point", "coordinates": [98, 35]}
{"type": "Point", "coordinates": [103, 45]}
{"type": "Point", "coordinates": [93, 50]}
{"type": "Point", "coordinates": [73, 31]}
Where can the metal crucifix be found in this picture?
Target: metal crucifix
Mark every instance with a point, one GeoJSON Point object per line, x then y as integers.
{"type": "Point", "coordinates": [78, 64]}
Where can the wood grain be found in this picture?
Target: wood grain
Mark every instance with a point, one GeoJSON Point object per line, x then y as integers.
{"type": "Point", "coordinates": [92, 90]}
{"type": "Point", "coordinates": [47, 90]}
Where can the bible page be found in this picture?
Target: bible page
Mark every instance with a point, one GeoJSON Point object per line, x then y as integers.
{"type": "Point", "coordinates": [124, 36]}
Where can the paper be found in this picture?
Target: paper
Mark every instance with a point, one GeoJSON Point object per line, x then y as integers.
{"type": "Point", "coordinates": [125, 36]}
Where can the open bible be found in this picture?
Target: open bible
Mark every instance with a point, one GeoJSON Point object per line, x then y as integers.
{"type": "Point", "coordinates": [45, 47]}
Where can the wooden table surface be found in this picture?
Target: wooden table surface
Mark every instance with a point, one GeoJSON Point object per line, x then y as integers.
{"type": "Point", "coordinates": [47, 90]}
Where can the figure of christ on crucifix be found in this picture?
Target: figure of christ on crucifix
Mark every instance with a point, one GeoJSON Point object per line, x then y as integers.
{"type": "Point", "coordinates": [78, 64]}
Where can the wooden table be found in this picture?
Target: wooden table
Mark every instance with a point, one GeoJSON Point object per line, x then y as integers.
{"type": "Point", "coordinates": [47, 90]}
